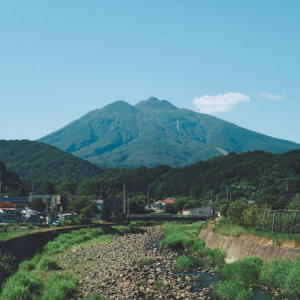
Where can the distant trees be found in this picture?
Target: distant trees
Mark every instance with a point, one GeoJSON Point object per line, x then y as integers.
{"type": "Point", "coordinates": [37, 204]}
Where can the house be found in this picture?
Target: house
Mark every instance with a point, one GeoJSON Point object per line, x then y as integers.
{"type": "Point", "coordinates": [33, 216]}
{"type": "Point", "coordinates": [169, 200]}
{"type": "Point", "coordinates": [54, 203]}
{"type": "Point", "coordinates": [8, 212]}
{"type": "Point", "coordinates": [109, 209]}
{"type": "Point", "coordinates": [158, 205]}
{"type": "Point", "coordinates": [198, 211]}
{"type": "Point", "coordinates": [19, 202]}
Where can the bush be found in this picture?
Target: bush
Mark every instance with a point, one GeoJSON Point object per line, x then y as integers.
{"type": "Point", "coordinates": [187, 262]}
{"type": "Point", "coordinates": [6, 266]}
{"type": "Point", "coordinates": [229, 290]}
{"type": "Point", "coordinates": [245, 270]}
{"type": "Point", "coordinates": [292, 281]}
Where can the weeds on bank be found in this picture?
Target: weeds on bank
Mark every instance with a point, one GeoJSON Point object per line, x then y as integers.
{"type": "Point", "coordinates": [42, 278]}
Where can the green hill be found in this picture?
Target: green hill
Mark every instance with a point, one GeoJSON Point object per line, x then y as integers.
{"type": "Point", "coordinates": [155, 132]}
{"type": "Point", "coordinates": [38, 162]}
{"type": "Point", "coordinates": [11, 185]}
{"type": "Point", "coordinates": [252, 175]}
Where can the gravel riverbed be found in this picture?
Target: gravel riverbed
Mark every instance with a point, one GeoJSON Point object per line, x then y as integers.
{"type": "Point", "coordinates": [129, 267]}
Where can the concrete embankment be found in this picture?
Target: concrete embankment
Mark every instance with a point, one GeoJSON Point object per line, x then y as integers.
{"type": "Point", "coordinates": [237, 248]}
{"type": "Point", "coordinates": [26, 246]}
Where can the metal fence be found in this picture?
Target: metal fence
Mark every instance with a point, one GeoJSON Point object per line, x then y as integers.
{"type": "Point", "coordinates": [286, 221]}
{"type": "Point", "coordinates": [167, 217]}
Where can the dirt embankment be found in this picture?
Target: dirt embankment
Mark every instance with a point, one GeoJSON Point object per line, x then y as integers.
{"type": "Point", "coordinates": [239, 247]}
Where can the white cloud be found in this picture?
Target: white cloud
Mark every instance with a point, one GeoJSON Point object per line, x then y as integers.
{"type": "Point", "coordinates": [219, 103]}
{"type": "Point", "coordinates": [271, 96]}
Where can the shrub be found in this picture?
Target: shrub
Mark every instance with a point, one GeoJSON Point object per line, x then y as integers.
{"type": "Point", "coordinates": [229, 290]}
{"type": "Point", "coordinates": [292, 281]}
{"type": "Point", "coordinates": [187, 262]}
{"type": "Point", "coordinates": [274, 272]}
{"type": "Point", "coordinates": [245, 270]}
{"type": "Point", "coordinates": [6, 266]}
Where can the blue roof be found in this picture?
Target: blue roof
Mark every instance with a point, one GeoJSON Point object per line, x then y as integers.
{"type": "Point", "coordinates": [15, 199]}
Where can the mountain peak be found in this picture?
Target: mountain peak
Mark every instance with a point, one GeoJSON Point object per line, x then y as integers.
{"type": "Point", "coordinates": [155, 103]}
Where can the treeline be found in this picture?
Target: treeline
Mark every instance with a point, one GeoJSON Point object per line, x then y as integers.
{"type": "Point", "coordinates": [11, 185]}
{"type": "Point", "coordinates": [251, 175]}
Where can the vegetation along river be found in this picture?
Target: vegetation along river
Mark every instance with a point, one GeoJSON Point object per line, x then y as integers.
{"type": "Point", "coordinates": [135, 267]}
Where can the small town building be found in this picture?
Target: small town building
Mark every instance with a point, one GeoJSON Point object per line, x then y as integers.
{"type": "Point", "coordinates": [109, 209]}
{"type": "Point", "coordinates": [19, 202]}
{"type": "Point", "coordinates": [54, 203]}
{"type": "Point", "coordinates": [198, 211]}
{"type": "Point", "coordinates": [8, 212]}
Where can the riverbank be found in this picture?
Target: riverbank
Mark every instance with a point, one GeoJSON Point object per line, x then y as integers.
{"type": "Point", "coordinates": [132, 267]}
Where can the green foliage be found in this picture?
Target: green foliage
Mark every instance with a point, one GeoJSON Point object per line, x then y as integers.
{"type": "Point", "coordinates": [245, 270]}
{"type": "Point", "coordinates": [38, 162]}
{"type": "Point", "coordinates": [38, 204]}
{"type": "Point", "coordinates": [11, 183]}
{"type": "Point", "coordinates": [6, 266]}
{"type": "Point", "coordinates": [186, 237]}
{"type": "Point", "coordinates": [295, 203]}
{"type": "Point", "coordinates": [159, 285]}
{"type": "Point", "coordinates": [187, 262]}
{"type": "Point", "coordinates": [229, 290]}
{"type": "Point", "coordinates": [145, 261]}
{"type": "Point", "coordinates": [48, 264]}
{"type": "Point", "coordinates": [60, 286]}
{"type": "Point", "coordinates": [21, 286]}
{"type": "Point", "coordinates": [236, 210]}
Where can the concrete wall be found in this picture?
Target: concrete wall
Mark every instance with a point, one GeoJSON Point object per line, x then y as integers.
{"type": "Point", "coordinates": [237, 248]}
{"type": "Point", "coordinates": [25, 247]}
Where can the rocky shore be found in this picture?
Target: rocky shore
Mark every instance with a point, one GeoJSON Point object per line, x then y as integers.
{"type": "Point", "coordinates": [130, 267]}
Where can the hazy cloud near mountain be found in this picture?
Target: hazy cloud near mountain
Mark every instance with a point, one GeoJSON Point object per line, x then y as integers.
{"type": "Point", "coordinates": [271, 96]}
{"type": "Point", "coordinates": [220, 103]}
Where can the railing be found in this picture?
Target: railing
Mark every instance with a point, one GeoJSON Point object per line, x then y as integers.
{"type": "Point", "coordinates": [166, 217]}
{"type": "Point", "coordinates": [287, 221]}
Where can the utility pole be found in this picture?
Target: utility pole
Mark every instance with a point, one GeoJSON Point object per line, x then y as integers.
{"type": "Point", "coordinates": [0, 185]}
{"type": "Point", "coordinates": [124, 209]}
{"type": "Point", "coordinates": [128, 206]}
{"type": "Point", "coordinates": [32, 188]}
{"type": "Point", "coordinates": [100, 193]}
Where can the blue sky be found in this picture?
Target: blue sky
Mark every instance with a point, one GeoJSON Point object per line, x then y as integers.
{"type": "Point", "coordinates": [236, 60]}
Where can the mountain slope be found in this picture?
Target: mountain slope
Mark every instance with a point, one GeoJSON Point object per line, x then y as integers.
{"type": "Point", "coordinates": [155, 132]}
{"type": "Point", "coordinates": [37, 162]}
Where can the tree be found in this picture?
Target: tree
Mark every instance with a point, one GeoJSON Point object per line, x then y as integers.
{"type": "Point", "coordinates": [66, 188]}
{"type": "Point", "coordinates": [37, 204]}
{"type": "Point", "coordinates": [235, 211]}
{"type": "Point", "coordinates": [47, 188]}
{"type": "Point", "coordinates": [295, 203]}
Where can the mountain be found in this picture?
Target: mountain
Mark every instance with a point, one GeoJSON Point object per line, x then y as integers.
{"type": "Point", "coordinates": [156, 132]}
{"type": "Point", "coordinates": [38, 162]}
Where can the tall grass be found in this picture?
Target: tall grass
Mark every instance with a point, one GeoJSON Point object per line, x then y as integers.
{"type": "Point", "coordinates": [186, 237]}
{"type": "Point", "coordinates": [41, 277]}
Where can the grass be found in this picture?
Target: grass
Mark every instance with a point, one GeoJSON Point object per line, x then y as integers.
{"type": "Point", "coordinates": [145, 261]}
{"type": "Point", "coordinates": [237, 231]}
{"type": "Point", "coordinates": [159, 285]}
{"type": "Point", "coordinates": [186, 237]}
{"type": "Point", "coordinates": [229, 290]}
{"type": "Point", "coordinates": [42, 277]}
{"type": "Point", "coordinates": [187, 262]}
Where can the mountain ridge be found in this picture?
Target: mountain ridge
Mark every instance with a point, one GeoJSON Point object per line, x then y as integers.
{"type": "Point", "coordinates": [154, 132]}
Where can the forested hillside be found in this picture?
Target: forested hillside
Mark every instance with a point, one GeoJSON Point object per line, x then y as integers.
{"type": "Point", "coordinates": [252, 175]}
{"type": "Point", "coordinates": [39, 162]}
{"type": "Point", "coordinates": [11, 185]}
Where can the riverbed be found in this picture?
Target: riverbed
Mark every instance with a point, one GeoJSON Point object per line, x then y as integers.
{"type": "Point", "coordinates": [135, 267]}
